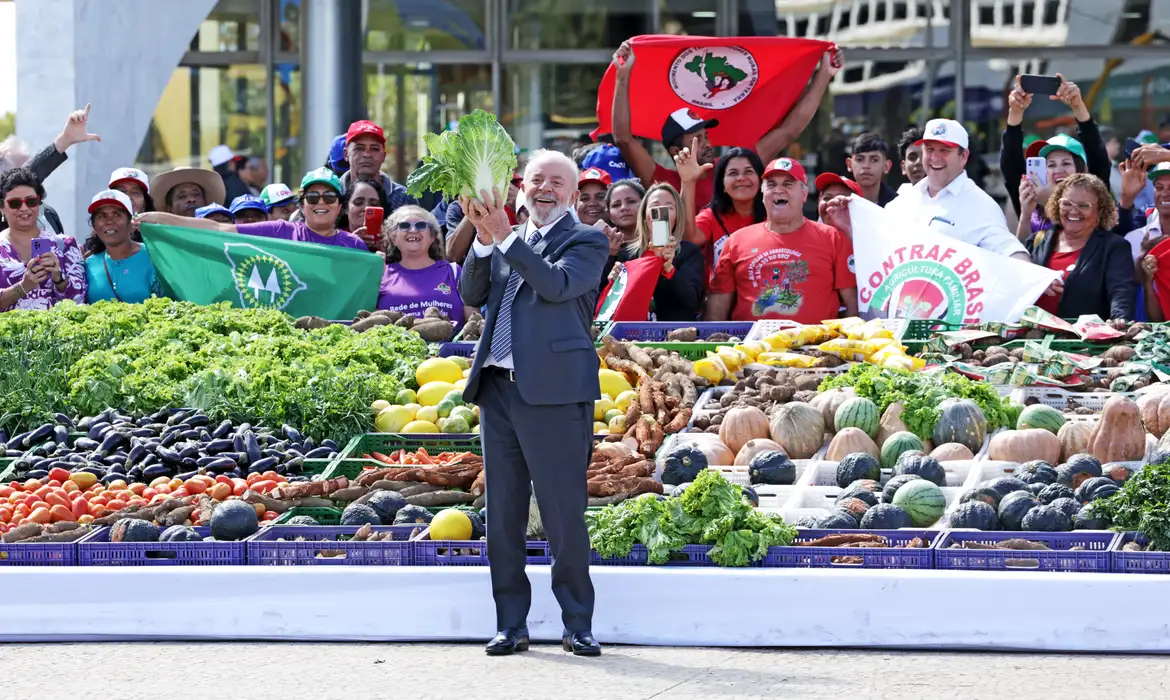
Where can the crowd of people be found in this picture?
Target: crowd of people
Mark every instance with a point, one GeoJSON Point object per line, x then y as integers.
{"type": "Point", "coordinates": [718, 236]}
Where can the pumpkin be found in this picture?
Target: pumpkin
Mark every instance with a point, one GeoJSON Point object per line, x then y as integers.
{"type": "Point", "coordinates": [848, 441]}
{"type": "Point", "coordinates": [753, 447]}
{"type": "Point", "coordinates": [800, 428]}
{"type": "Point", "coordinates": [827, 402]}
{"type": "Point", "coordinates": [1154, 409]}
{"type": "Point", "coordinates": [961, 421]}
{"type": "Point", "coordinates": [891, 422]}
{"type": "Point", "coordinates": [718, 454]}
{"type": "Point", "coordinates": [1024, 446]}
{"type": "Point", "coordinates": [949, 451]}
{"type": "Point", "coordinates": [1119, 435]}
{"type": "Point", "coordinates": [741, 424]}
{"type": "Point", "coordinates": [1074, 438]}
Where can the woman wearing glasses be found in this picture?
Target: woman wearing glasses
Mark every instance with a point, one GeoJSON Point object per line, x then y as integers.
{"type": "Point", "coordinates": [320, 206]}
{"type": "Point", "coordinates": [38, 267]}
{"type": "Point", "coordinates": [417, 274]}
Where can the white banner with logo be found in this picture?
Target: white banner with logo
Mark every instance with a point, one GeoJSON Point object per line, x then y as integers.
{"type": "Point", "coordinates": [906, 271]}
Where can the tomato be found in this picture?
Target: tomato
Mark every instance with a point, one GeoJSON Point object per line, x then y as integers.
{"type": "Point", "coordinates": [40, 515]}
{"type": "Point", "coordinates": [56, 499]}
{"type": "Point", "coordinates": [59, 475]}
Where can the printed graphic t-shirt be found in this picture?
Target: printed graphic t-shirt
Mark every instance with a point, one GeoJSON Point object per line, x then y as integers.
{"type": "Point", "coordinates": [791, 276]}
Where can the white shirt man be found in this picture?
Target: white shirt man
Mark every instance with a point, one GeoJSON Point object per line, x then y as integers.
{"type": "Point", "coordinates": [947, 201]}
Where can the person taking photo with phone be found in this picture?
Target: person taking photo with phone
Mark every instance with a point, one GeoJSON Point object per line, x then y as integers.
{"type": "Point", "coordinates": [38, 267]}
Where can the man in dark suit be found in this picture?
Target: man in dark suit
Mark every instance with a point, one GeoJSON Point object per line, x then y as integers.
{"type": "Point", "coordinates": [535, 380]}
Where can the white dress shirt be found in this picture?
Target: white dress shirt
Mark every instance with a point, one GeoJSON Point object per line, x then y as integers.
{"type": "Point", "coordinates": [961, 210]}
{"type": "Point", "coordinates": [485, 251]}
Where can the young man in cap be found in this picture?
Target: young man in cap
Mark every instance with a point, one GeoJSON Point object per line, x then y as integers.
{"type": "Point", "coordinates": [946, 201]}
{"type": "Point", "coordinates": [133, 183]}
{"type": "Point", "coordinates": [365, 151]}
{"type": "Point", "coordinates": [683, 129]}
{"type": "Point", "coordinates": [227, 164]}
{"type": "Point", "coordinates": [183, 190]}
{"type": "Point", "coordinates": [786, 267]}
{"type": "Point", "coordinates": [869, 161]}
{"type": "Point", "coordinates": [249, 210]}
{"type": "Point", "coordinates": [280, 200]}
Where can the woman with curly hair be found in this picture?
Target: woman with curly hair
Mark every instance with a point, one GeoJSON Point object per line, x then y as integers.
{"type": "Point", "coordinates": [418, 274]}
{"type": "Point", "coordinates": [1096, 265]}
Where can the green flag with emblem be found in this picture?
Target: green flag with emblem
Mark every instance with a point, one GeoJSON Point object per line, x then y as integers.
{"type": "Point", "coordinates": [300, 279]}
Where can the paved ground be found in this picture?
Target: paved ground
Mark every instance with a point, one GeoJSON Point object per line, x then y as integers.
{"type": "Point", "coordinates": [421, 671]}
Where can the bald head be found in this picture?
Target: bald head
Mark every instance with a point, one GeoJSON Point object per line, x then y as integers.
{"type": "Point", "coordinates": [550, 185]}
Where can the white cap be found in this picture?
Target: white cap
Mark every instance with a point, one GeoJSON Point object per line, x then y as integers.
{"type": "Point", "coordinates": [111, 197]}
{"type": "Point", "coordinates": [947, 131]}
{"type": "Point", "coordinates": [130, 175]}
{"type": "Point", "coordinates": [219, 155]}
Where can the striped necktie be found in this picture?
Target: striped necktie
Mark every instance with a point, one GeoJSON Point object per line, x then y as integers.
{"type": "Point", "coordinates": [502, 333]}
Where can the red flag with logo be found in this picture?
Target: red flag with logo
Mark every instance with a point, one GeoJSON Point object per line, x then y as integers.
{"type": "Point", "coordinates": [630, 290]}
{"type": "Point", "coordinates": [749, 84]}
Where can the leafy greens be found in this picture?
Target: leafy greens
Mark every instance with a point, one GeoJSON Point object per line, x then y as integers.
{"type": "Point", "coordinates": [478, 156]}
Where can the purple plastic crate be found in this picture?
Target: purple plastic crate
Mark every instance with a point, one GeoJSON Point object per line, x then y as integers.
{"type": "Point", "coordinates": [690, 555]}
{"type": "Point", "coordinates": [95, 549]}
{"type": "Point", "coordinates": [264, 549]}
{"type": "Point", "coordinates": [1096, 555]}
{"type": "Point", "coordinates": [39, 554]}
{"type": "Point", "coordinates": [898, 556]}
{"type": "Point", "coordinates": [1138, 562]}
{"type": "Point", "coordinates": [456, 349]}
{"type": "Point", "coordinates": [649, 332]}
{"type": "Point", "coordinates": [469, 553]}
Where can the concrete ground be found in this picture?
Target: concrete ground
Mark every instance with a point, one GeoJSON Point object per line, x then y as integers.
{"type": "Point", "coordinates": [289, 671]}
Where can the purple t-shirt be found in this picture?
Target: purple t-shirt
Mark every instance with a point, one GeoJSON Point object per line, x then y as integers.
{"type": "Point", "coordinates": [412, 291]}
{"type": "Point", "coordinates": [299, 231]}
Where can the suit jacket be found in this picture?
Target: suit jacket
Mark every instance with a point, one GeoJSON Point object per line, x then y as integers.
{"type": "Point", "coordinates": [552, 348]}
{"type": "Point", "coordinates": [1103, 281]}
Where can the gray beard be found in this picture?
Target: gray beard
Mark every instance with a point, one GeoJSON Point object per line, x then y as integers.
{"type": "Point", "coordinates": [557, 212]}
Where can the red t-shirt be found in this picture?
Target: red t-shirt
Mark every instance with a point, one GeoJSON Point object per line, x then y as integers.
{"type": "Point", "coordinates": [716, 236]}
{"type": "Point", "coordinates": [1062, 263]}
{"type": "Point", "coordinates": [792, 276]}
{"type": "Point", "coordinates": [704, 188]}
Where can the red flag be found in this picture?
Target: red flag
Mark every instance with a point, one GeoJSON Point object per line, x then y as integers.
{"type": "Point", "coordinates": [749, 84]}
{"type": "Point", "coordinates": [630, 291]}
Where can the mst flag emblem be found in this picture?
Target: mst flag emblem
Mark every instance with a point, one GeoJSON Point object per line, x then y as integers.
{"type": "Point", "coordinates": [262, 280]}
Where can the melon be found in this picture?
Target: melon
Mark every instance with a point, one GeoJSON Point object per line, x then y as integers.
{"type": "Point", "coordinates": [898, 443]}
{"type": "Point", "coordinates": [1040, 416]}
{"type": "Point", "coordinates": [857, 412]}
{"type": "Point", "coordinates": [922, 500]}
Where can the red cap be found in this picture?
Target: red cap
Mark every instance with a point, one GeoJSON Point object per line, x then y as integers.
{"type": "Point", "coordinates": [364, 128]}
{"type": "Point", "coordinates": [787, 165]}
{"type": "Point", "coordinates": [595, 175]}
{"type": "Point", "coordinates": [826, 179]}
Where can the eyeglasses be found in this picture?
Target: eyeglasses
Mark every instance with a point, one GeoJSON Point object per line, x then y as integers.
{"type": "Point", "coordinates": [416, 225]}
{"type": "Point", "coordinates": [30, 202]}
{"type": "Point", "coordinates": [316, 197]}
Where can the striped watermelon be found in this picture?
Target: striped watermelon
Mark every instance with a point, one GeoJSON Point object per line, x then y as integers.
{"type": "Point", "coordinates": [922, 500]}
{"type": "Point", "coordinates": [898, 443]}
{"type": "Point", "coordinates": [1040, 416]}
{"type": "Point", "coordinates": [857, 413]}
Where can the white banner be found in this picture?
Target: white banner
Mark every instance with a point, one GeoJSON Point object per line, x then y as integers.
{"type": "Point", "coordinates": [905, 271]}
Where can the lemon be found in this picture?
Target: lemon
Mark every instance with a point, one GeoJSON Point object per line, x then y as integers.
{"type": "Point", "coordinates": [461, 385]}
{"type": "Point", "coordinates": [612, 383]}
{"type": "Point", "coordinates": [626, 398]}
{"type": "Point", "coordinates": [405, 396]}
{"type": "Point", "coordinates": [413, 408]}
{"type": "Point", "coordinates": [437, 369]}
{"type": "Point", "coordinates": [450, 524]}
{"type": "Point", "coordinates": [378, 405]}
{"type": "Point", "coordinates": [456, 425]}
{"type": "Point", "coordinates": [420, 426]}
{"type": "Point", "coordinates": [429, 414]}
{"type": "Point", "coordinates": [445, 407]}
{"type": "Point", "coordinates": [601, 407]}
{"type": "Point", "coordinates": [461, 361]}
{"type": "Point", "coordinates": [432, 393]}
{"type": "Point", "coordinates": [392, 419]}
{"type": "Point", "coordinates": [617, 424]}
{"type": "Point", "coordinates": [613, 413]}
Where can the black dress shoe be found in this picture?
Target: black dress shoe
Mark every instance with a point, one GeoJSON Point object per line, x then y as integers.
{"type": "Point", "coordinates": [508, 642]}
{"type": "Point", "coordinates": [581, 644]}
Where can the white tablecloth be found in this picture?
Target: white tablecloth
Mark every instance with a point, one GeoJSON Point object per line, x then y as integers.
{"type": "Point", "coordinates": [635, 605]}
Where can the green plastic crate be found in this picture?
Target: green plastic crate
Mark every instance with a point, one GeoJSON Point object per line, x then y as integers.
{"type": "Point", "coordinates": [325, 516]}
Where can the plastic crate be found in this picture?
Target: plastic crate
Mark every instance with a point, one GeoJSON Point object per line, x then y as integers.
{"type": "Point", "coordinates": [1096, 557]}
{"type": "Point", "coordinates": [95, 549]}
{"type": "Point", "coordinates": [469, 553]}
{"type": "Point", "coordinates": [456, 349]}
{"type": "Point", "coordinates": [689, 555]}
{"type": "Point", "coordinates": [264, 549]}
{"type": "Point", "coordinates": [388, 442]}
{"type": "Point", "coordinates": [1138, 562]}
{"type": "Point", "coordinates": [1062, 399]}
{"type": "Point", "coordinates": [324, 516]}
{"type": "Point", "coordinates": [648, 332]}
{"type": "Point", "coordinates": [39, 554]}
{"type": "Point", "coordinates": [897, 557]}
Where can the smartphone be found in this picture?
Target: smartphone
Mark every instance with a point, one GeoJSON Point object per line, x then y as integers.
{"type": "Point", "coordinates": [1040, 84]}
{"type": "Point", "coordinates": [40, 246]}
{"type": "Point", "coordinates": [1131, 145]}
{"type": "Point", "coordinates": [1037, 170]}
{"type": "Point", "coordinates": [659, 227]}
{"type": "Point", "coordinates": [374, 217]}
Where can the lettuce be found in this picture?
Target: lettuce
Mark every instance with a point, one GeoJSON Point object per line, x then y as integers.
{"type": "Point", "coordinates": [478, 155]}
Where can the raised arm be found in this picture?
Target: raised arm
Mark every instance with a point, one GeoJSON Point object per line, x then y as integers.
{"type": "Point", "coordinates": [796, 121]}
{"type": "Point", "coordinates": [636, 155]}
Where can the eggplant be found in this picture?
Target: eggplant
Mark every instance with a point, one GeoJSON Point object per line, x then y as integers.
{"type": "Point", "coordinates": [222, 430]}
{"type": "Point", "coordinates": [96, 429]}
{"type": "Point", "coordinates": [39, 435]}
{"type": "Point", "coordinates": [111, 442]}
{"type": "Point", "coordinates": [86, 444]}
{"type": "Point", "coordinates": [320, 453]}
{"type": "Point", "coordinates": [151, 473]}
{"type": "Point", "coordinates": [251, 446]}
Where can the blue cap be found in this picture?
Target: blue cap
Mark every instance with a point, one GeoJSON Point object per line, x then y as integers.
{"type": "Point", "coordinates": [248, 201]}
{"type": "Point", "coordinates": [217, 208]}
{"type": "Point", "coordinates": [607, 157]}
{"type": "Point", "coordinates": [337, 155]}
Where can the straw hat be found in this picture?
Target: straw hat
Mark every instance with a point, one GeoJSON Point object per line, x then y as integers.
{"type": "Point", "coordinates": [209, 180]}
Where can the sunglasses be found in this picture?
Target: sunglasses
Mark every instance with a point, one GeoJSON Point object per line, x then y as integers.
{"type": "Point", "coordinates": [416, 225]}
{"type": "Point", "coordinates": [30, 202]}
{"type": "Point", "coordinates": [317, 197]}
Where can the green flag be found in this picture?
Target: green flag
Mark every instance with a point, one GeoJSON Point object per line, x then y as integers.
{"type": "Point", "coordinates": [300, 279]}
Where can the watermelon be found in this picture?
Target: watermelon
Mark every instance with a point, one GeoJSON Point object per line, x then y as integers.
{"type": "Point", "coordinates": [898, 443]}
{"type": "Point", "coordinates": [922, 500]}
{"type": "Point", "coordinates": [857, 412]}
{"type": "Point", "coordinates": [1040, 416]}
